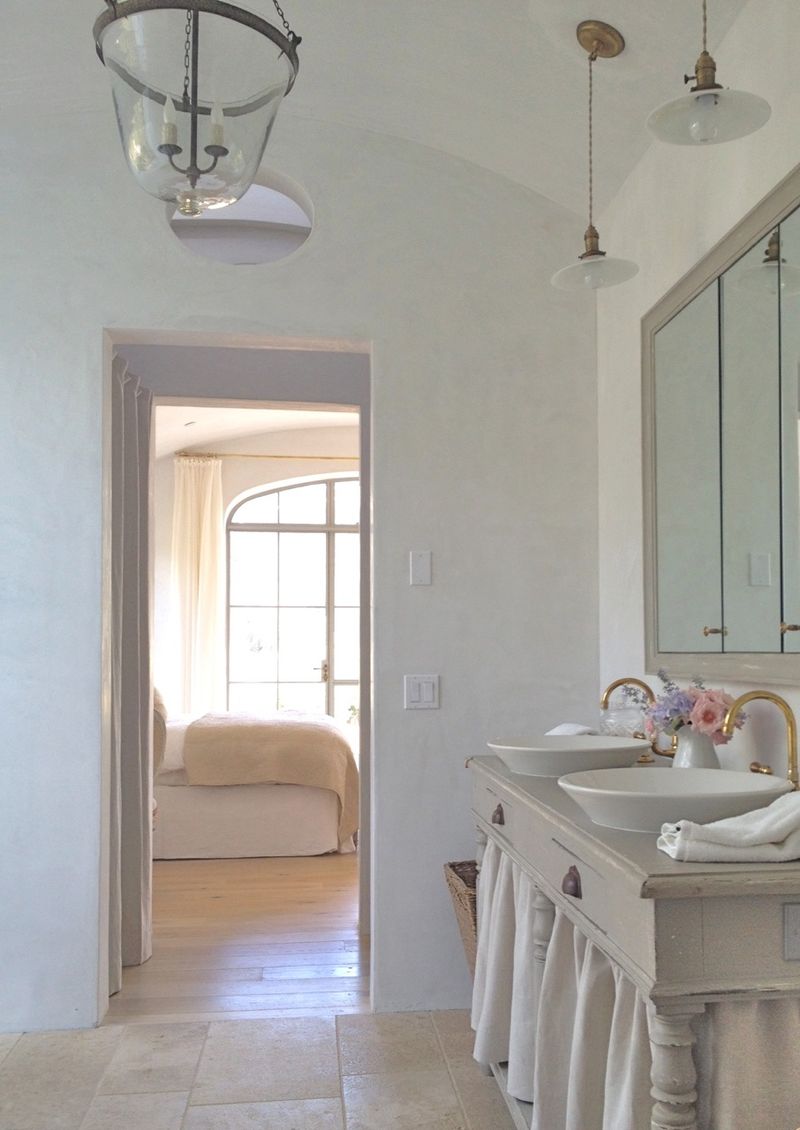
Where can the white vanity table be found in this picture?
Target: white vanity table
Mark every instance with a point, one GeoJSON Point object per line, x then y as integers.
{"type": "Point", "coordinates": [685, 934]}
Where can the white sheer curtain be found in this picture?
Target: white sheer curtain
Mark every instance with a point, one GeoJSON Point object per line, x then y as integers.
{"type": "Point", "coordinates": [198, 575]}
{"type": "Point", "coordinates": [130, 934]}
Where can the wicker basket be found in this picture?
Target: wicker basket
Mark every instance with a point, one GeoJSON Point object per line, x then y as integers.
{"type": "Point", "coordinates": [461, 879]}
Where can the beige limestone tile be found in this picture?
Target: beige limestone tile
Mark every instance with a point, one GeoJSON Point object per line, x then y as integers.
{"type": "Point", "coordinates": [48, 1079]}
{"type": "Point", "coordinates": [373, 1043]}
{"type": "Point", "coordinates": [402, 1100]}
{"type": "Point", "coordinates": [34, 1107]}
{"type": "Point", "coordinates": [252, 1061]}
{"type": "Point", "coordinates": [456, 1035]}
{"type": "Point", "coordinates": [7, 1041]}
{"type": "Point", "coordinates": [481, 1100]}
{"type": "Point", "coordinates": [68, 1060]}
{"type": "Point", "coordinates": [155, 1057]}
{"type": "Point", "coordinates": [305, 1114]}
{"type": "Point", "coordinates": [136, 1112]}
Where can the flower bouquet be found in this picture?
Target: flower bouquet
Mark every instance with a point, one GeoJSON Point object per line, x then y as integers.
{"type": "Point", "coordinates": [697, 706]}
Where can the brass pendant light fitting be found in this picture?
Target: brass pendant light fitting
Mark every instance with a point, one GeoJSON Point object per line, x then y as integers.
{"type": "Point", "coordinates": [600, 41]}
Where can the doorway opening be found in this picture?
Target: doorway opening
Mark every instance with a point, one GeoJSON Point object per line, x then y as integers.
{"type": "Point", "coordinates": [295, 639]}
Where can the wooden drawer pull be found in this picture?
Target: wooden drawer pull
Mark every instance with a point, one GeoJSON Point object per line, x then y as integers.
{"type": "Point", "coordinates": [498, 816]}
{"type": "Point", "coordinates": [571, 883]}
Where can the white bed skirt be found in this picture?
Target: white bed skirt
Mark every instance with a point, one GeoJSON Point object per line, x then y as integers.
{"type": "Point", "coordinates": [208, 822]}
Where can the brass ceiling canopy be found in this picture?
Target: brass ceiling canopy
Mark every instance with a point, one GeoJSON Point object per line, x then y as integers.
{"type": "Point", "coordinates": [599, 39]}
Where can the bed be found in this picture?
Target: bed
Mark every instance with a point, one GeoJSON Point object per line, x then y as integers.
{"type": "Point", "coordinates": [236, 785]}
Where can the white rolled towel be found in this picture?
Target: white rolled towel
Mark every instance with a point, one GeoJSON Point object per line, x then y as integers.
{"type": "Point", "coordinates": [570, 730]}
{"type": "Point", "coordinates": [765, 835]}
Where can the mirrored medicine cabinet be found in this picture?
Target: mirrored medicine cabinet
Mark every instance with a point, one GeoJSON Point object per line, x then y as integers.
{"type": "Point", "coordinates": [721, 404]}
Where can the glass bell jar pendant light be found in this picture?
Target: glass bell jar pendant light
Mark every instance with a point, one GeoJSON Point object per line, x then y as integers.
{"type": "Point", "coordinates": [594, 268]}
{"type": "Point", "coordinates": [708, 114]}
{"type": "Point", "coordinates": [197, 85]}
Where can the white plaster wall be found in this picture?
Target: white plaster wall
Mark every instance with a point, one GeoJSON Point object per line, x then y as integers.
{"type": "Point", "coordinates": [676, 205]}
{"type": "Point", "coordinates": [238, 476]}
{"type": "Point", "coordinates": [484, 451]}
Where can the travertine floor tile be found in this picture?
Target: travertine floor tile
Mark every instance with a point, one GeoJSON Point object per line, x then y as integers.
{"type": "Point", "coordinates": [136, 1112]}
{"type": "Point", "coordinates": [155, 1057]}
{"type": "Point", "coordinates": [7, 1041]}
{"type": "Point", "coordinates": [456, 1036]}
{"type": "Point", "coordinates": [35, 1108]}
{"type": "Point", "coordinates": [370, 1044]}
{"type": "Point", "coordinates": [481, 1099]}
{"type": "Point", "coordinates": [48, 1080]}
{"type": "Point", "coordinates": [252, 1061]}
{"type": "Point", "coordinates": [305, 1114]}
{"type": "Point", "coordinates": [402, 1100]}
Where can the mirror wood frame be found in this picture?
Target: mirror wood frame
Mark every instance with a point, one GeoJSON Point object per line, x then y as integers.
{"type": "Point", "coordinates": [772, 667]}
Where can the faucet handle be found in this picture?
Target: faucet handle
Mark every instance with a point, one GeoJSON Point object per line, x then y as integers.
{"type": "Point", "coordinates": [789, 628]}
{"type": "Point", "coordinates": [757, 767]}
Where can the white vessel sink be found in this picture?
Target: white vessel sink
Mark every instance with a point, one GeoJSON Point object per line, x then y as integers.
{"type": "Point", "coordinates": [641, 799]}
{"type": "Point", "coordinates": [553, 755]}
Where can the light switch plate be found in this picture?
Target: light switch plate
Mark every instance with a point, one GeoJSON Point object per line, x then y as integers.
{"type": "Point", "coordinates": [420, 567]}
{"type": "Point", "coordinates": [421, 692]}
{"type": "Point", "coordinates": [761, 569]}
{"type": "Point", "coordinates": [791, 931]}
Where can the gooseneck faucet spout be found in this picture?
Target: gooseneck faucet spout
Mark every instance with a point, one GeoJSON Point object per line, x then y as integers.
{"type": "Point", "coordinates": [791, 728]}
{"type": "Point", "coordinates": [632, 681]}
{"type": "Point", "coordinates": [628, 681]}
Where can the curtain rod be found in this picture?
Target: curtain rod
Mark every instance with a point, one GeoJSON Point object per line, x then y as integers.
{"type": "Point", "coordinates": [247, 455]}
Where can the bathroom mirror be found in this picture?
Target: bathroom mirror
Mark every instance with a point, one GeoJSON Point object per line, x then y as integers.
{"type": "Point", "coordinates": [721, 404]}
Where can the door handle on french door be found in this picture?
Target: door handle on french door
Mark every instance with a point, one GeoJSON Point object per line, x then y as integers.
{"type": "Point", "coordinates": [324, 671]}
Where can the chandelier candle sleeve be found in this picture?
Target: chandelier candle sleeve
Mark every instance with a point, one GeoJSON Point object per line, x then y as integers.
{"type": "Point", "coordinates": [197, 85]}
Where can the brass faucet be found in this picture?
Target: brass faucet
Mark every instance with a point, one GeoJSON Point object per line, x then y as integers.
{"type": "Point", "coordinates": [630, 681]}
{"type": "Point", "coordinates": [791, 729]}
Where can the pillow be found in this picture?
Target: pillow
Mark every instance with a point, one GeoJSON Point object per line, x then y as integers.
{"type": "Point", "coordinates": [159, 730]}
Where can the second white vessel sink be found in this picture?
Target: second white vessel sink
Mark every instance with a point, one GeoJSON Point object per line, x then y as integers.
{"type": "Point", "coordinates": [641, 800]}
{"type": "Point", "coordinates": [554, 754]}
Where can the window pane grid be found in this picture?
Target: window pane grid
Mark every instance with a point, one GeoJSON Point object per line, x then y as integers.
{"type": "Point", "coordinates": [296, 617]}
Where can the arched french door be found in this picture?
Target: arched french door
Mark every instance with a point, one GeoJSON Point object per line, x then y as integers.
{"type": "Point", "coordinates": [293, 600]}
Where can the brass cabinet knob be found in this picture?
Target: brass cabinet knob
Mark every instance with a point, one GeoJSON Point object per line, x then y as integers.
{"type": "Point", "coordinates": [715, 631]}
{"type": "Point", "coordinates": [571, 883]}
{"type": "Point", "coordinates": [498, 816]}
{"type": "Point", "coordinates": [757, 767]}
{"type": "Point", "coordinates": [789, 628]}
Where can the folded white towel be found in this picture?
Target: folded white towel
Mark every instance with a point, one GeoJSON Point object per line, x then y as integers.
{"type": "Point", "coordinates": [765, 835]}
{"type": "Point", "coordinates": [570, 729]}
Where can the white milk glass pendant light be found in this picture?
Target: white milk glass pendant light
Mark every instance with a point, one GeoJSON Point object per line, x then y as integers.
{"type": "Point", "coordinates": [709, 114]}
{"type": "Point", "coordinates": [773, 274]}
{"type": "Point", "coordinates": [594, 269]}
{"type": "Point", "coordinates": [197, 85]}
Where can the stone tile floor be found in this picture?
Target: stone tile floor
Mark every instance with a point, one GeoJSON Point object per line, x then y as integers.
{"type": "Point", "coordinates": [393, 1071]}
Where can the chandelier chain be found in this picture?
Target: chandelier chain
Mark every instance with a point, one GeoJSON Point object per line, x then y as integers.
{"type": "Point", "coordinates": [187, 56]}
{"type": "Point", "coordinates": [705, 25]}
{"type": "Point", "coordinates": [279, 10]}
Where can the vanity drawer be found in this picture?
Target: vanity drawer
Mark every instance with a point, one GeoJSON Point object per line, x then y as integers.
{"type": "Point", "coordinates": [496, 809]}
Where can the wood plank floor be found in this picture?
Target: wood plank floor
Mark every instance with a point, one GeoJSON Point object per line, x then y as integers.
{"type": "Point", "coordinates": [250, 938]}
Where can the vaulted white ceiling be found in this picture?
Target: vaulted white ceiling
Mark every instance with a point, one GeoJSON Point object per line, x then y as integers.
{"type": "Point", "coordinates": [500, 83]}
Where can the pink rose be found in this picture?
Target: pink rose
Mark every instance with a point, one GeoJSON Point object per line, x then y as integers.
{"type": "Point", "coordinates": [708, 714]}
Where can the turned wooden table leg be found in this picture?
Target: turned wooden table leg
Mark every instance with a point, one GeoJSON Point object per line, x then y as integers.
{"type": "Point", "coordinates": [673, 1074]}
{"type": "Point", "coordinates": [544, 917]}
{"type": "Point", "coordinates": [481, 840]}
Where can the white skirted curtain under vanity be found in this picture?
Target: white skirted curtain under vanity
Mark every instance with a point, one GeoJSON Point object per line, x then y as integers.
{"type": "Point", "coordinates": [198, 585]}
{"type": "Point", "coordinates": [130, 876]}
{"type": "Point", "coordinates": [574, 1029]}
